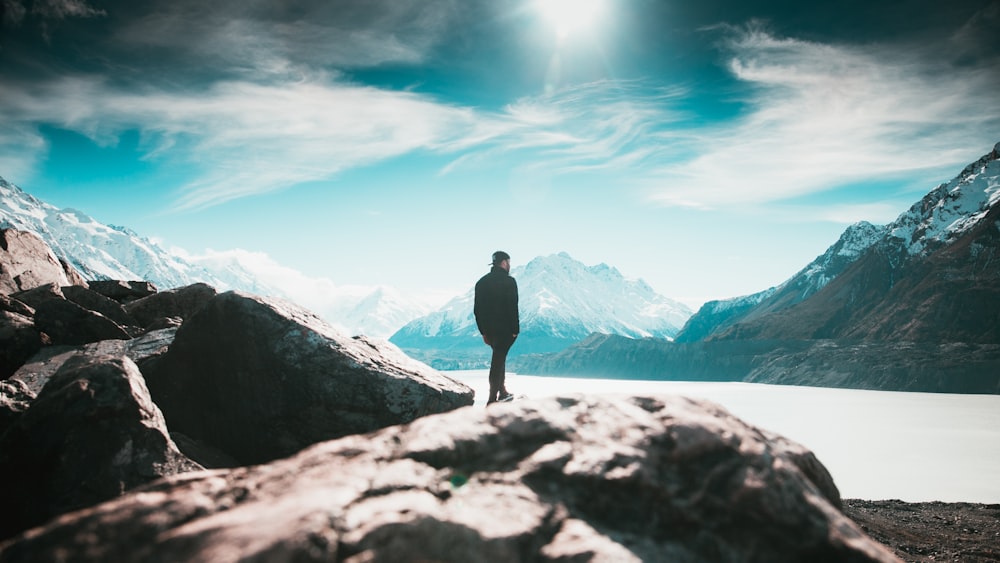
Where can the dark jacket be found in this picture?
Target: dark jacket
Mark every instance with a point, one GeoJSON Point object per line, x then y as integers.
{"type": "Point", "coordinates": [496, 305]}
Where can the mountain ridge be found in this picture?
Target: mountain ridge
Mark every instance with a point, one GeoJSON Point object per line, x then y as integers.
{"type": "Point", "coordinates": [933, 275]}
{"type": "Point", "coordinates": [111, 252]}
{"type": "Point", "coordinates": [717, 315]}
{"type": "Point", "coordinates": [911, 306]}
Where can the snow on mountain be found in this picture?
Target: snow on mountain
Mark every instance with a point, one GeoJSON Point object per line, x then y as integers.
{"type": "Point", "coordinates": [561, 301]}
{"type": "Point", "coordinates": [858, 238]}
{"type": "Point", "coordinates": [378, 311]}
{"type": "Point", "coordinates": [946, 214]}
{"type": "Point", "coordinates": [101, 251]}
{"type": "Point", "coordinates": [951, 209]}
{"type": "Point", "coordinates": [716, 315]}
{"type": "Point", "coordinates": [572, 298]}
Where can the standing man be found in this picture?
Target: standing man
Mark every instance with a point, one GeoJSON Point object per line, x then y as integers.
{"type": "Point", "coordinates": [498, 320]}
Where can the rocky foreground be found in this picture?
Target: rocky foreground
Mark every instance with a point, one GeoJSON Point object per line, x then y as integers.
{"type": "Point", "coordinates": [567, 479]}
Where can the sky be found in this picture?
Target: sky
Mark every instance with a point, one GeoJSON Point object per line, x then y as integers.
{"type": "Point", "coordinates": [710, 148]}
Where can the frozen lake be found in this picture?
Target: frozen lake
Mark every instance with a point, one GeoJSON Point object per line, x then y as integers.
{"type": "Point", "coordinates": [877, 445]}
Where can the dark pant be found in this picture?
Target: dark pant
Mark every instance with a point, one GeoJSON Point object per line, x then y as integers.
{"type": "Point", "coordinates": [498, 366]}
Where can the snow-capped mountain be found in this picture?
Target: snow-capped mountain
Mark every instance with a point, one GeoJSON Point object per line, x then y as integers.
{"type": "Point", "coordinates": [716, 315]}
{"type": "Point", "coordinates": [912, 306]}
{"type": "Point", "coordinates": [932, 274]}
{"type": "Point", "coordinates": [377, 311]}
{"type": "Point", "coordinates": [561, 302]}
{"type": "Point", "coordinates": [951, 210]}
{"type": "Point", "coordinates": [100, 251]}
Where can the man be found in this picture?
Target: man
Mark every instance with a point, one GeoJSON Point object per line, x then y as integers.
{"type": "Point", "coordinates": [498, 321]}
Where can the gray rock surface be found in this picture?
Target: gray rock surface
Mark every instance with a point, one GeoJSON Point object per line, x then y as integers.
{"type": "Point", "coordinates": [92, 433]}
{"type": "Point", "coordinates": [181, 302]}
{"type": "Point", "coordinates": [39, 294]}
{"type": "Point", "coordinates": [123, 291]}
{"type": "Point", "coordinates": [142, 350]}
{"type": "Point", "coordinates": [66, 322]}
{"type": "Point", "coordinates": [261, 379]}
{"type": "Point", "coordinates": [26, 261]}
{"type": "Point", "coordinates": [568, 479]}
{"type": "Point", "coordinates": [19, 339]}
{"type": "Point", "coordinates": [94, 301]}
{"type": "Point", "coordinates": [15, 397]}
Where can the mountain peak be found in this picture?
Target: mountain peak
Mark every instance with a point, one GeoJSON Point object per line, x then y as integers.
{"type": "Point", "coordinates": [931, 274]}
{"type": "Point", "coordinates": [562, 301]}
{"type": "Point", "coordinates": [951, 209]}
{"type": "Point", "coordinates": [76, 237]}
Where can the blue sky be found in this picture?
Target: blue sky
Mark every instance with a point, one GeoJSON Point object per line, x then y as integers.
{"type": "Point", "coordinates": [712, 148]}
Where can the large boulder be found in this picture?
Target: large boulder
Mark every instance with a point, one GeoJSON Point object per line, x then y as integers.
{"type": "Point", "coordinates": [261, 379]}
{"type": "Point", "coordinates": [15, 397]}
{"type": "Point", "coordinates": [123, 291]}
{"type": "Point", "coordinates": [19, 339]}
{"type": "Point", "coordinates": [66, 322]}
{"type": "Point", "coordinates": [181, 302]}
{"type": "Point", "coordinates": [97, 302]}
{"type": "Point", "coordinates": [26, 261]}
{"type": "Point", "coordinates": [143, 350]}
{"type": "Point", "coordinates": [39, 294]}
{"type": "Point", "coordinates": [566, 479]}
{"type": "Point", "coordinates": [91, 434]}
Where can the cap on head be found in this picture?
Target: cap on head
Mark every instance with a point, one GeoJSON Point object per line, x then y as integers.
{"type": "Point", "coordinates": [500, 256]}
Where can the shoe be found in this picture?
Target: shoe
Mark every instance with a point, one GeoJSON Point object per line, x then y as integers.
{"type": "Point", "coordinates": [506, 397]}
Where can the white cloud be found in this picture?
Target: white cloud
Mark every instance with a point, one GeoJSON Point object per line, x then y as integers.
{"type": "Point", "coordinates": [247, 138]}
{"type": "Point", "coordinates": [377, 310]}
{"type": "Point", "coordinates": [821, 116]}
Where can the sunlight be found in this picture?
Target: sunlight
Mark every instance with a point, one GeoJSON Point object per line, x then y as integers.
{"type": "Point", "coordinates": [570, 16]}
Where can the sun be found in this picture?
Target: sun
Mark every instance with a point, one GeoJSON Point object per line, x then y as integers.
{"type": "Point", "coordinates": [571, 17]}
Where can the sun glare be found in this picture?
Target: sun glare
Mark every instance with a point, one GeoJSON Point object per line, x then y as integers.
{"type": "Point", "coordinates": [570, 17]}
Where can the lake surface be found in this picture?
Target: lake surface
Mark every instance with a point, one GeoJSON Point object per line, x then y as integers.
{"type": "Point", "coordinates": [878, 445]}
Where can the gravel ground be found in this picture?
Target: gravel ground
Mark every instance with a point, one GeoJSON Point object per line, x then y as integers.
{"type": "Point", "coordinates": [931, 531]}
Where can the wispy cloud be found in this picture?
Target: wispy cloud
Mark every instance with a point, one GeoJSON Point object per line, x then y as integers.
{"type": "Point", "coordinates": [259, 37]}
{"type": "Point", "coordinates": [821, 116]}
{"type": "Point", "coordinates": [247, 138]}
{"type": "Point", "coordinates": [816, 116]}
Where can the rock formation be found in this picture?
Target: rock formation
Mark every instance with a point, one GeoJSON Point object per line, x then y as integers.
{"type": "Point", "coordinates": [261, 379]}
{"type": "Point", "coordinates": [77, 426]}
{"type": "Point", "coordinates": [19, 339]}
{"type": "Point", "coordinates": [182, 302]}
{"type": "Point", "coordinates": [568, 479]}
{"type": "Point", "coordinates": [90, 434]}
{"type": "Point", "coordinates": [15, 397]}
{"type": "Point", "coordinates": [143, 350]}
{"type": "Point", "coordinates": [123, 291]}
{"type": "Point", "coordinates": [27, 262]}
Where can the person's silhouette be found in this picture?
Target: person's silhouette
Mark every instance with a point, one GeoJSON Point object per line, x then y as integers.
{"type": "Point", "coordinates": [498, 320]}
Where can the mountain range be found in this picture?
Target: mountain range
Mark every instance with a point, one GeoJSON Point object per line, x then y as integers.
{"type": "Point", "coordinates": [101, 252]}
{"type": "Point", "coordinates": [913, 305]}
{"type": "Point", "coordinates": [557, 304]}
{"type": "Point", "coordinates": [562, 301]}
{"type": "Point", "coordinates": [931, 275]}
